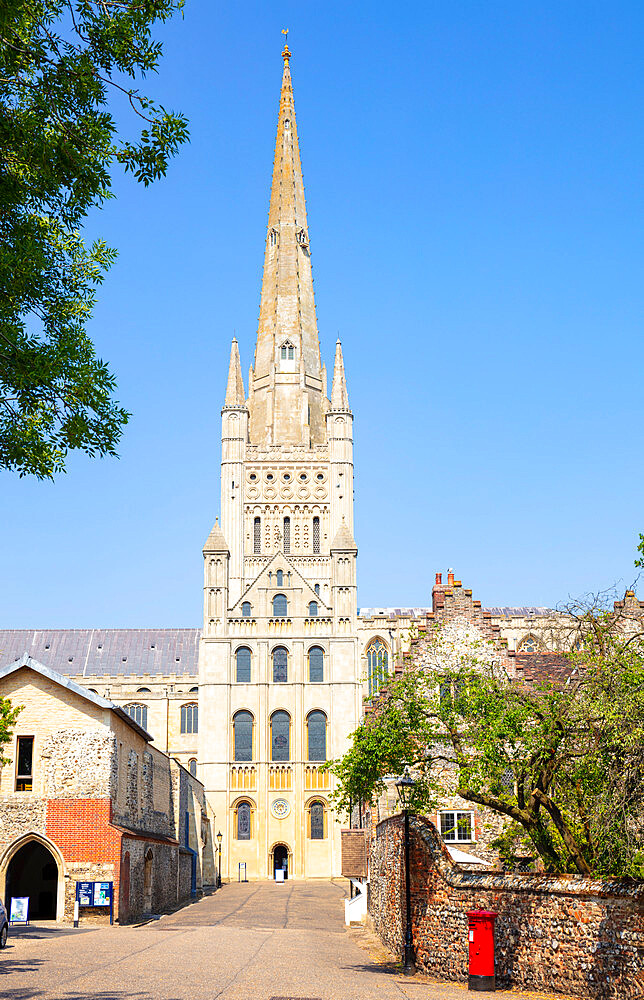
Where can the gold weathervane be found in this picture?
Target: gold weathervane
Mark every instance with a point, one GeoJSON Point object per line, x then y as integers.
{"type": "Point", "coordinates": [286, 51]}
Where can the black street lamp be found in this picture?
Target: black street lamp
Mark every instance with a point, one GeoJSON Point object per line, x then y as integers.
{"type": "Point", "coordinates": [405, 786]}
{"type": "Point", "coordinates": [219, 839]}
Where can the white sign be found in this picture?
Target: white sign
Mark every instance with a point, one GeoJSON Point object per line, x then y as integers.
{"type": "Point", "coordinates": [19, 910]}
{"type": "Point", "coordinates": [279, 874]}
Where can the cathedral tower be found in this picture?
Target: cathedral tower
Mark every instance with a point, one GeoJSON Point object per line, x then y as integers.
{"type": "Point", "coordinates": [279, 670]}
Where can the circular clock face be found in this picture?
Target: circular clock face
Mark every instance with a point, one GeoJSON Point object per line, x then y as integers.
{"type": "Point", "coordinates": [280, 808]}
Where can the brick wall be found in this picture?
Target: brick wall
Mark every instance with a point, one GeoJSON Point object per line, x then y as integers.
{"type": "Point", "coordinates": [566, 934]}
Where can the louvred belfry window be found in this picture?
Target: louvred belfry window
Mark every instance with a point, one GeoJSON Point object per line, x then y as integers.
{"type": "Point", "coordinates": [287, 536]}
{"type": "Point", "coordinates": [257, 536]}
{"type": "Point", "coordinates": [316, 535]}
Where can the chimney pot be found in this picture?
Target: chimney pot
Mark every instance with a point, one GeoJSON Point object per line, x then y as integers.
{"type": "Point", "coordinates": [450, 577]}
{"type": "Point", "coordinates": [439, 578]}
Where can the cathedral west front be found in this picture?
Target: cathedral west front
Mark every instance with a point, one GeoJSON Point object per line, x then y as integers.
{"type": "Point", "coordinates": [279, 664]}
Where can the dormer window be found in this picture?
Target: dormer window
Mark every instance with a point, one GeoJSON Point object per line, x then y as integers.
{"type": "Point", "coordinates": [287, 351]}
{"type": "Point", "coordinates": [272, 238]}
{"type": "Point", "coordinates": [287, 123]}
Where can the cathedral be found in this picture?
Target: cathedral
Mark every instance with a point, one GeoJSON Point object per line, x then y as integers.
{"type": "Point", "coordinates": [273, 684]}
{"type": "Point", "coordinates": [279, 669]}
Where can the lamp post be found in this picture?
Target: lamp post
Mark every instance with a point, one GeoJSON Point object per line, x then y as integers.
{"type": "Point", "coordinates": [219, 839]}
{"type": "Point", "coordinates": [405, 786]}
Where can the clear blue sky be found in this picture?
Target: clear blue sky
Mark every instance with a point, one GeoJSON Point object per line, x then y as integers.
{"type": "Point", "coordinates": [474, 184]}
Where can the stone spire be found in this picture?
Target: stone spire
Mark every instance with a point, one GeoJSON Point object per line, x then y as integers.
{"type": "Point", "coordinates": [339, 394]}
{"type": "Point", "coordinates": [235, 395]}
{"type": "Point", "coordinates": [215, 541]}
{"type": "Point", "coordinates": [286, 394]}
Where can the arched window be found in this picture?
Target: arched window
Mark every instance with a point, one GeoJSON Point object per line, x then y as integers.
{"type": "Point", "coordinates": [242, 736]}
{"type": "Point", "coordinates": [279, 578]}
{"type": "Point", "coordinates": [280, 665]}
{"type": "Point", "coordinates": [377, 665]}
{"type": "Point", "coordinates": [242, 657]}
{"type": "Point", "coordinates": [287, 351]}
{"type": "Point", "coordinates": [317, 589]}
{"type": "Point", "coordinates": [287, 536]}
{"type": "Point", "coordinates": [192, 766]}
{"type": "Point", "coordinates": [316, 664]}
{"type": "Point", "coordinates": [193, 690]}
{"type": "Point", "coordinates": [190, 718]}
{"type": "Point", "coordinates": [316, 821]}
{"type": "Point", "coordinates": [143, 691]}
{"type": "Point", "coordinates": [257, 536]}
{"type": "Point", "coordinates": [316, 729]}
{"type": "Point", "coordinates": [280, 606]}
{"type": "Point", "coordinates": [246, 609]}
{"type": "Point", "coordinates": [243, 814]}
{"type": "Point", "coordinates": [280, 736]}
{"type": "Point", "coordinates": [313, 609]}
{"type": "Point", "coordinates": [316, 535]}
{"type": "Point", "coordinates": [529, 644]}
{"type": "Point", "coordinates": [139, 713]}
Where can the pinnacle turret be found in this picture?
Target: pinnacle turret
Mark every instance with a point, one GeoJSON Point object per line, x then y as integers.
{"type": "Point", "coordinates": [339, 394]}
{"type": "Point", "coordinates": [235, 395]}
{"type": "Point", "coordinates": [216, 541]}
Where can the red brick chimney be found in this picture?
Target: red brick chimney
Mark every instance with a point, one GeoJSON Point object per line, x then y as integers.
{"type": "Point", "coordinates": [450, 577]}
{"type": "Point", "coordinates": [438, 596]}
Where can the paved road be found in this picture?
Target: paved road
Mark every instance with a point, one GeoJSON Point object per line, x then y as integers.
{"type": "Point", "coordinates": [260, 940]}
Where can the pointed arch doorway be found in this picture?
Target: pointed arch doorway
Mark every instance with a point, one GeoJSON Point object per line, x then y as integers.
{"type": "Point", "coordinates": [33, 872]}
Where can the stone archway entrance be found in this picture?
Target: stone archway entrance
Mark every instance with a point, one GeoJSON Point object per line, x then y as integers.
{"type": "Point", "coordinates": [280, 859]}
{"type": "Point", "coordinates": [33, 872]}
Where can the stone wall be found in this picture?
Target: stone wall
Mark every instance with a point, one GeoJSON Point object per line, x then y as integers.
{"type": "Point", "coordinates": [166, 883]}
{"type": "Point", "coordinates": [566, 934]}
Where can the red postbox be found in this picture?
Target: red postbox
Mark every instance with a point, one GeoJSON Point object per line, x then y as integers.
{"type": "Point", "coordinates": [480, 925]}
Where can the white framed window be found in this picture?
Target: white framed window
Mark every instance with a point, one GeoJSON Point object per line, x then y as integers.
{"type": "Point", "coordinates": [457, 827]}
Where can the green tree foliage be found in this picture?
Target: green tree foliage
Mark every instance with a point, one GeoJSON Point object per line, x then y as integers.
{"type": "Point", "coordinates": [60, 63]}
{"type": "Point", "coordinates": [562, 762]}
{"type": "Point", "coordinates": [8, 716]}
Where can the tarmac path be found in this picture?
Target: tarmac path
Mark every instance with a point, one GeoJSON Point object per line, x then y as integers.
{"type": "Point", "coordinates": [253, 941]}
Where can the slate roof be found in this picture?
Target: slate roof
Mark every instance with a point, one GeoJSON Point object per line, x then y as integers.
{"type": "Point", "coordinates": [394, 612]}
{"type": "Point", "coordinates": [521, 612]}
{"type": "Point", "coordinates": [421, 612]}
{"type": "Point", "coordinates": [98, 652]}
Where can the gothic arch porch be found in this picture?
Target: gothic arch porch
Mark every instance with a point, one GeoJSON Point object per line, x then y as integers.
{"type": "Point", "coordinates": [33, 866]}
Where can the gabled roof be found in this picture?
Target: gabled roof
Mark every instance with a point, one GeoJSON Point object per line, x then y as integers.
{"type": "Point", "coordinates": [66, 682]}
{"type": "Point", "coordinates": [278, 556]}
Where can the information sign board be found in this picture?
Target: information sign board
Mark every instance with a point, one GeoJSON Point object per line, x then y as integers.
{"type": "Point", "coordinates": [84, 893]}
{"type": "Point", "coordinates": [19, 910]}
{"type": "Point", "coordinates": [94, 894]}
{"type": "Point", "coordinates": [102, 893]}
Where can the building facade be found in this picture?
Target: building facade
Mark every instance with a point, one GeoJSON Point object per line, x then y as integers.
{"type": "Point", "coordinates": [279, 662]}
{"type": "Point", "coordinates": [85, 797]}
{"type": "Point", "coordinates": [273, 683]}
